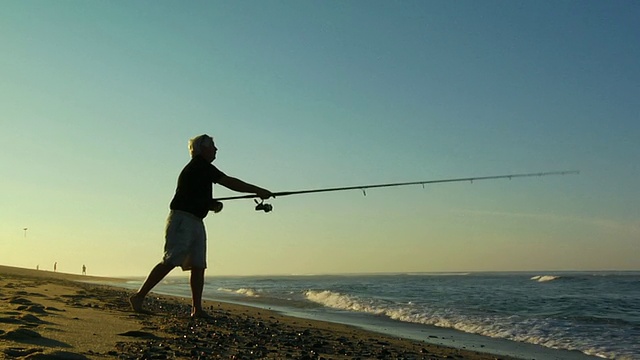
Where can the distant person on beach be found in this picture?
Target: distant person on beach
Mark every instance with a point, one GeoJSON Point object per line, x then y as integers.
{"type": "Point", "coordinates": [84, 270]}
{"type": "Point", "coordinates": [55, 266]}
{"type": "Point", "coordinates": [185, 236]}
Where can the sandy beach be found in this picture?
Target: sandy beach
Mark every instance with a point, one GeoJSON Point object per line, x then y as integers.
{"type": "Point", "coordinates": [47, 315]}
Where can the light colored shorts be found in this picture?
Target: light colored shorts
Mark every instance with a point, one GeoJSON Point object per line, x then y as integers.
{"type": "Point", "coordinates": [185, 241]}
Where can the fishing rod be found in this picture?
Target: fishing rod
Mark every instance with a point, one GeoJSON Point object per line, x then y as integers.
{"type": "Point", "coordinates": [262, 206]}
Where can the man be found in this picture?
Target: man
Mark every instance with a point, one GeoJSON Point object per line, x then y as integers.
{"type": "Point", "coordinates": [185, 236]}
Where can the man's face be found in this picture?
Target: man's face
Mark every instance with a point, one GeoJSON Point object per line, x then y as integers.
{"type": "Point", "coordinates": [209, 152]}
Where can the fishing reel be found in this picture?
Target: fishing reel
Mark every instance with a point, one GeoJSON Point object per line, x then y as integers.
{"type": "Point", "coordinates": [263, 206]}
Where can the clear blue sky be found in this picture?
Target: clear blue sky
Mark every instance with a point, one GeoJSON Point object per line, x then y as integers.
{"type": "Point", "coordinates": [99, 99]}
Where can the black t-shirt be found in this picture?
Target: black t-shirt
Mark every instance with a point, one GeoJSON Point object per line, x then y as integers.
{"type": "Point", "coordinates": [194, 191]}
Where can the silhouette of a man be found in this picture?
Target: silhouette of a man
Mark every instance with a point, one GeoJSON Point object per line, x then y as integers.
{"type": "Point", "coordinates": [185, 236]}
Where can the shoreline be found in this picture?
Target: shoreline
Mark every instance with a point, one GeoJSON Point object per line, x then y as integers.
{"type": "Point", "coordinates": [440, 336]}
{"type": "Point", "coordinates": [48, 315]}
{"type": "Point", "coordinates": [43, 312]}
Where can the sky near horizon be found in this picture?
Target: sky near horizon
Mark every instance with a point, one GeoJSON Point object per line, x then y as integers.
{"type": "Point", "coordinates": [99, 99]}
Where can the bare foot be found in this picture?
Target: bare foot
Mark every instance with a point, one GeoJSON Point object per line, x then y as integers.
{"type": "Point", "coordinates": [136, 304]}
{"type": "Point", "coordinates": [201, 314]}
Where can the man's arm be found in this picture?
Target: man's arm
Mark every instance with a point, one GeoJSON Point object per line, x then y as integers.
{"type": "Point", "coordinates": [238, 185]}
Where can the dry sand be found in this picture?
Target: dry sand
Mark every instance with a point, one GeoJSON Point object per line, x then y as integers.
{"type": "Point", "coordinates": [46, 315]}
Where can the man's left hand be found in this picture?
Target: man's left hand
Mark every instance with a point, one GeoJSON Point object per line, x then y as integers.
{"type": "Point", "coordinates": [216, 206]}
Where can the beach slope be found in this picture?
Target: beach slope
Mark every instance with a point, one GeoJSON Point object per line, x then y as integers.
{"type": "Point", "coordinates": [47, 315]}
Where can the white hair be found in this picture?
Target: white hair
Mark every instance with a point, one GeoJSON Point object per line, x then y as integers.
{"type": "Point", "coordinates": [197, 143]}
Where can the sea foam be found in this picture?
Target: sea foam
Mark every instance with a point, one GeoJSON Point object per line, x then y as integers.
{"type": "Point", "coordinates": [241, 291]}
{"type": "Point", "coordinates": [511, 328]}
{"type": "Point", "coordinates": [544, 278]}
{"type": "Point", "coordinates": [339, 301]}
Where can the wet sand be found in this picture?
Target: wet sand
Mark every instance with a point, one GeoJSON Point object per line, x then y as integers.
{"type": "Point", "coordinates": [47, 315]}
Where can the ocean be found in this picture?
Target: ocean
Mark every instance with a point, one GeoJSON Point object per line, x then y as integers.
{"type": "Point", "coordinates": [561, 315]}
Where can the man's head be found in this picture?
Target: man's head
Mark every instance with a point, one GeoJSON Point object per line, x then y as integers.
{"type": "Point", "coordinates": [204, 146]}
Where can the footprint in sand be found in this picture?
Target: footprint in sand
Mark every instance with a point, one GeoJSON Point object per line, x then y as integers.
{"type": "Point", "coordinates": [20, 352]}
{"type": "Point", "coordinates": [139, 334]}
{"type": "Point", "coordinates": [51, 308]}
{"type": "Point", "coordinates": [21, 334]}
{"type": "Point", "coordinates": [11, 312]}
{"type": "Point", "coordinates": [20, 300]}
{"type": "Point", "coordinates": [56, 355]}
{"type": "Point", "coordinates": [10, 320]}
{"type": "Point", "coordinates": [33, 294]}
{"type": "Point", "coordinates": [28, 336]}
{"type": "Point", "coordinates": [36, 308]}
{"type": "Point", "coordinates": [22, 319]}
{"type": "Point", "coordinates": [31, 319]}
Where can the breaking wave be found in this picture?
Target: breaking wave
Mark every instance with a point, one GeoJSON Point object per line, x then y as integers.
{"type": "Point", "coordinates": [544, 278]}
{"type": "Point", "coordinates": [512, 328]}
{"type": "Point", "coordinates": [343, 302]}
{"type": "Point", "coordinates": [241, 291]}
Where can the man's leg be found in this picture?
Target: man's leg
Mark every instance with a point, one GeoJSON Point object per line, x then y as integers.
{"type": "Point", "coordinates": [197, 285]}
{"type": "Point", "coordinates": [155, 276]}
